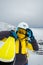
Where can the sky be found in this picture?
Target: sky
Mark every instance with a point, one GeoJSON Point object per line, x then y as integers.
{"type": "Point", "coordinates": [16, 11]}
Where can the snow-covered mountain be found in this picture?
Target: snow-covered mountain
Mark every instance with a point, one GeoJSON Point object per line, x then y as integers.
{"type": "Point", "coordinates": [5, 26]}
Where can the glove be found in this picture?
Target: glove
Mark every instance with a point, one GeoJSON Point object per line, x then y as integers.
{"type": "Point", "coordinates": [29, 33]}
{"type": "Point", "coordinates": [13, 34]}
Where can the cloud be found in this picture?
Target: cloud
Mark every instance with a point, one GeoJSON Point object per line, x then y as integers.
{"type": "Point", "coordinates": [15, 11]}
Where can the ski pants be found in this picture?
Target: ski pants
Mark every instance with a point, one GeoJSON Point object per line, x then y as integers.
{"type": "Point", "coordinates": [21, 59]}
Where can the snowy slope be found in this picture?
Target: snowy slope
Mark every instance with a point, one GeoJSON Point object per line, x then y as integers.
{"type": "Point", "coordinates": [38, 33]}
{"type": "Point", "coordinates": [5, 26]}
{"type": "Point", "coordinates": [34, 58]}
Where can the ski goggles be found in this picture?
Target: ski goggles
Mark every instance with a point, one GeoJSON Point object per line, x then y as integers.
{"type": "Point", "coordinates": [22, 31]}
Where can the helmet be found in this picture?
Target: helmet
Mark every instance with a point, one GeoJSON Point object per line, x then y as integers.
{"type": "Point", "coordinates": [23, 25]}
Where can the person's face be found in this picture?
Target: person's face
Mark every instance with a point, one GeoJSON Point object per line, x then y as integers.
{"type": "Point", "coordinates": [21, 33]}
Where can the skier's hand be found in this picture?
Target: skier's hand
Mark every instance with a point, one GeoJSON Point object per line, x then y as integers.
{"type": "Point", "coordinates": [29, 33]}
{"type": "Point", "coordinates": [13, 34]}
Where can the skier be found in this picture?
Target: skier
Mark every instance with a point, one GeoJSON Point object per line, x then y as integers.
{"type": "Point", "coordinates": [23, 42]}
{"type": "Point", "coordinates": [7, 47]}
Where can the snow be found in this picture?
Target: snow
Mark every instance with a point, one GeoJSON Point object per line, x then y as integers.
{"type": "Point", "coordinates": [35, 59]}
{"type": "Point", "coordinates": [38, 33]}
{"type": "Point", "coordinates": [5, 26]}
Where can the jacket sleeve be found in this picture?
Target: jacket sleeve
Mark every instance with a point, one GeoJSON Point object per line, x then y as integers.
{"type": "Point", "coordinates": [4, 34]}
{"type": "Point", "coordinates": [34, 44]}
{"type": "Point", "coordinates": [29, 46]}
{"type": "Point", "coordinates": [32, 39]}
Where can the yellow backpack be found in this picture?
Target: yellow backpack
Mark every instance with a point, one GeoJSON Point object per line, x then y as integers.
{"type": "Point", "coordinates": [7, 49]}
